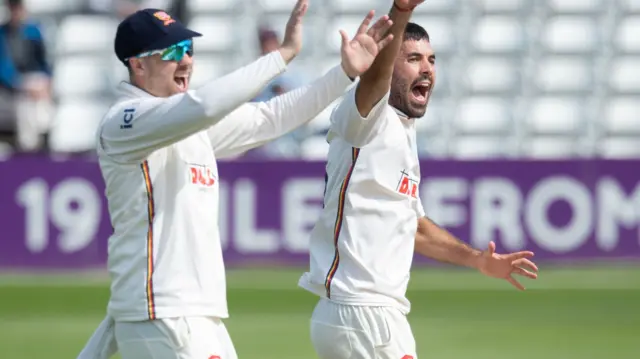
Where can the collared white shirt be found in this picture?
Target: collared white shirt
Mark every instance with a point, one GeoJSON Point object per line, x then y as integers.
{"type": "Point", "coordinates": [158, 159]}
{"type": "Point", "coordinates": [362, 246]}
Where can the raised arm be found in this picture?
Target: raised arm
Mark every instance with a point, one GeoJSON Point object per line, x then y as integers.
{"type": "Point", "coordinates": [361, 111]}
{"type": "Point", "coordinates": [136, 128]}
{"type": "Point", "coordinates": [376, 82]}
{"type": "Point", "coordinates": [254, 124]}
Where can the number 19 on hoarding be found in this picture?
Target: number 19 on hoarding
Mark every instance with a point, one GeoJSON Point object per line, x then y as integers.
{"type": "Point", "coordinates": [72, 206]}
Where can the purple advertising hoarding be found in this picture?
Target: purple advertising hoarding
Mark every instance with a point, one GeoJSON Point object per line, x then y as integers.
{"type": "Point", "coordinates": [54, 215]}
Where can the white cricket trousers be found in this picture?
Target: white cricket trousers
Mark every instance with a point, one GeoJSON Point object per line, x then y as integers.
{"type": "Point", "coordinates": [173, 338]}
{"type": "Point", "coordinates": [361, 332]}
{"type": "Point", "coordinates": [176, 338]}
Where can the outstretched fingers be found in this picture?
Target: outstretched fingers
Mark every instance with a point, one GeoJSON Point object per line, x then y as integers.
{"type": "Point", "coordinates": [380, 28]}
{"type": "Point", "coordinates": [365, 23]}
{"type": "Point", "coordinates": [523, 262]}
{"type": "Point", "coordinates": [518, 255]}
{"type": "Point", "coordinates": [525, 273]}
{"type": "Point", "coordinates": [386, 41]}
{"type": "Point", "coordinates": [515, 283]}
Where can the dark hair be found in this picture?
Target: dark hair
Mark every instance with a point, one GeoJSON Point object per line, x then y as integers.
{"type": "Point", "coordinates": [266, 33]}
{"type": "Point", "coordinates": [415, 32]}
{"type": "Point", "coordinates": [14, 3]}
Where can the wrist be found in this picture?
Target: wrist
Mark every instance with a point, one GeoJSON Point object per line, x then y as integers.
{"type": "Point", "coordinates": [475, 261]}
{"type": "Point", "coordinates": [402, 9]}
{"type": "Point", "coordinates": [287, 53]}
{"type": "Point", "coordinates": [351, 74]}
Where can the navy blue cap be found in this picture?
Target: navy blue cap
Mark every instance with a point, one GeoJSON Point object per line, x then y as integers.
{"type": "Point", "coordinates": [149, 29]}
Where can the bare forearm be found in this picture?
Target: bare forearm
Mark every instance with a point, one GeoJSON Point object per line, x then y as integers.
{"type": "Point", "coordinates": [376, 81]}
{"type": "Point", "coordinates": [383, 64]}
{"type": "Point", "coordinates": [437, 243]}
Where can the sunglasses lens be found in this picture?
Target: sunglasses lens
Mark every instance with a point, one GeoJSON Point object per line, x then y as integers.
{"type": "Point", "coordinates": [177, 51]}
{"type": "Point", "coordinates": [174, 54]}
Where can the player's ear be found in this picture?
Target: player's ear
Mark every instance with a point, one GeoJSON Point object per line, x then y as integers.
{"type": "Point", "coordinates": [136, 66]}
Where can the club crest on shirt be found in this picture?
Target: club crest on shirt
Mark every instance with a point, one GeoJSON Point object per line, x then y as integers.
{"type": "Point", "coordinates": [202, 176]}
{"type": "Point", "coordinates": [407, 185]}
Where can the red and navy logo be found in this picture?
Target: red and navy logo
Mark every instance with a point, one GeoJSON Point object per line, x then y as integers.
{"type": "Point", "coordinates": [408, 185]}
{"type": "Point", "coordinates": [201, 176]}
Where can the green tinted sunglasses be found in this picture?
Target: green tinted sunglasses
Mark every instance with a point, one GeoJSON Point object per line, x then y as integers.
{"type": "Point", "coordinates": [174, 52]}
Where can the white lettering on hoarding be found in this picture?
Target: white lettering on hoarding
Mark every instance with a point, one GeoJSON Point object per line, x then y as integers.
{"type": "Point", "coordinates": [491, 207]}
{"type": "Point", "coordinates": [495, 207]}
{"type": "Point", "coordinates": [615, 209]}
{"type": "Point", "coordinates": [78, 227]}
{"type": "Point", "coordinates": [33, 196]}
{"type": "Point", "coordinates": [559, 239]}
{"type": "Point", "coordinates": [248, 238]}
{"type": "Point", "coordinates": [437, 195]}
{"type": "Point", "coordinates": [72, 206]}
{"type": "Point", "coordinates": [298, 213]}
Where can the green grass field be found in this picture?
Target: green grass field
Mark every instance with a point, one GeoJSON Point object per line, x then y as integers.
{"type": "Point", "coordinates": [580, 313]}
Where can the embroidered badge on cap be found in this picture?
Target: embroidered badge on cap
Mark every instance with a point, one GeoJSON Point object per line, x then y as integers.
{"type": "Point", "coordinates": [164, 17]}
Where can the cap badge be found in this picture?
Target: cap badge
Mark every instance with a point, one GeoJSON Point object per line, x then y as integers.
{"type": "Point", "coordinates": [164, 17]}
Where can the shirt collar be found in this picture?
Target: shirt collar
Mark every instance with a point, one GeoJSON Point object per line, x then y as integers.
{"type": "Point", "coordinates": [126, 89]}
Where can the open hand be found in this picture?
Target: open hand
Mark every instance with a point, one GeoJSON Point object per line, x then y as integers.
{"type": "Point", "coordinates": [292, 42]}
{"type": "Point", "coordinates": [503, 266]}
{"type": "Point", "coordinates": [358, 53]}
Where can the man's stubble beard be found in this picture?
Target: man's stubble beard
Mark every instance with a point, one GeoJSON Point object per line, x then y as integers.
{"type": "Point", "coordinates": [400, 100]}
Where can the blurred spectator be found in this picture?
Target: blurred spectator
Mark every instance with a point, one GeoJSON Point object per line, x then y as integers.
{"type": "Point", "coordinates": [288, 146]}
{"type": "Point", "coordinates": [287, 81]}
{"type": "Point", "coordinates": [26, 106]}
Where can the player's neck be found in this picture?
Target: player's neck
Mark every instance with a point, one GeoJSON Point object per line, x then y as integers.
{"type": "Point", "coordinates": [401, 114]}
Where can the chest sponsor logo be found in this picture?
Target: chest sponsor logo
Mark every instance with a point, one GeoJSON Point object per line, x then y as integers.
{"type": "Point", "coordinates": [408, 185]}
{"type": "Point", "coordinates": [202, 176]}
{"type": "Point", "coordinates": [127, 118]}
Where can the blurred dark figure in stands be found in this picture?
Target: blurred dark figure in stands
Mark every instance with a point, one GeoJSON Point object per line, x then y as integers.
{"type": "Point", "coordinates": [26, 106]}
{"type": "Point", "coordinates": [285, 147]}
{"type": "Point", "coordinates": [269, 42]}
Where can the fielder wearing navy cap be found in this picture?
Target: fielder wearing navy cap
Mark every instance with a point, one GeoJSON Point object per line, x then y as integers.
{"type": "Point", "coordinates": [149, 29]}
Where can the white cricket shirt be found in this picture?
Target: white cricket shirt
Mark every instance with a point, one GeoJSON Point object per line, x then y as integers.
{"type": "Point", "coordinates": [158, 160]}
{"type": "Point", "coordinates": [362, 246]}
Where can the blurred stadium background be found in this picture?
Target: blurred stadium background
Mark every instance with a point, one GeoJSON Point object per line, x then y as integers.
{"type": "Point", "coordinates": [532, 139]}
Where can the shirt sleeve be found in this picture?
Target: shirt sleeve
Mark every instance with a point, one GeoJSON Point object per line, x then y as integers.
{"type": "Point", "coordinates": [255, 124]}
{"type": "Point", "coordinates": [347, 123]}
{"type": "Point", "coordinates": [135, 128]}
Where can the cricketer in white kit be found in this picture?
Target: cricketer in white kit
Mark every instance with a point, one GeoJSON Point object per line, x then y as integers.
{"type": "Point", "coordinates": [157, 150]}
{"type": "Point", "coordinates": [362, 246]}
